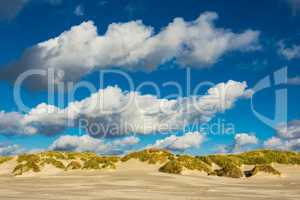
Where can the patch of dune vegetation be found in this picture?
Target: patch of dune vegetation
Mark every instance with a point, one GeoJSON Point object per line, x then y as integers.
{"type": "Point", "coordinates": [172, 167]}
{"type": "Point", "coordinates": [53, 162]}
{"type": "Point", "coordinates": [73, 165]}
{"type": "Point", "coordinates": [229, 170]}
{"type": "Point", "coordinates": [54, 155]}
{"type": "Point", "coordinates": [262, 168]}
{"type": "Point", "coordinates": [5, 159]}
{"type": "Point", "coordinates": [177, 165]}
{"type": "Point", "coordinates": [101, 163]}
{"type": "Point", "coordinates": [268, 157]}
{"type": "Point", "coordinates": [151, 156]}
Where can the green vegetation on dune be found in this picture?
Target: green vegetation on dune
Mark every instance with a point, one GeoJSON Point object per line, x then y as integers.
{"type": "Point", "coordinates": [177, 165]}
{"type": "Point", "coordinates": [262, 168]}
{"type": "Point", "coordinates": [28, 166]}
{"type": "Point", "coordinates": [229, 170]}
{"type": "Point", "coordinates": [152, 156]}
{"type": "Point", "coordinates": [269, 156]}
{"type": "Point", "coordinates": [5, 159]}
{"type": "Point", "coordinates": [172, 167]}
{"type": "Point", "coordinates": [53, 162]}
{"type": "Point", "coordinates": [73, 165]}
{"type": "Point", "coordinates": [101, 163]}
{"type": "Point", "coordinates": [228, 165]}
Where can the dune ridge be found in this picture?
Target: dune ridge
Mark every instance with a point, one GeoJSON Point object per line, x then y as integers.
{"type": "Point", "coordinates": [231, 165]}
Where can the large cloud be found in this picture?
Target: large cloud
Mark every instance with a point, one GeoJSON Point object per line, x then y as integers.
{"type": "Point", "coordinates": [112, 112]}
{"type": "Point", "coordinates": [133, 46]}
{"type": "Point", "coordinates": [180, 143]}
{"type": "Point", "coordinates": [87, 143]}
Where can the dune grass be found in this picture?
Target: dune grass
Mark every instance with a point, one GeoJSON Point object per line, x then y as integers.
{"type": "Point", "coordinates": [229, 165]}
{"type": "Point", "coordinates": [229, 170]}
{"type": "Point", "coordinates": [5, 159]}
{"type": "Point", "coordinates": [101, 162]}
{"type": "Point", "coordinates": [53, 162]}
{"type": "Point", "coordinates": [73, 165]}
{"type": "Point", "coordinates": [172, 167]}
{"type": "Point", "coordinates": [262, 168]}
{"type": "Point", "coordinates": [151, 156]}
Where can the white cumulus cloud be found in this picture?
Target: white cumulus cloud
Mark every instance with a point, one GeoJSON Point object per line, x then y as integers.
{"type": "Point", "coordinates": [113, 112]}
{"type": "Point", "coordinates": [133, 46]}
{"type": "Point", "coordinates": [243, 142]}
{"type": "Point", "coordinates": [180, 143]}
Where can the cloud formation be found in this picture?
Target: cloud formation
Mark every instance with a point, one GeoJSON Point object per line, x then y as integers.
{"type": "Point", "coordinates": [133, 46]}
{"type": "Point", "coordinates": [244, 141]}
{"type": "Point", "coordinates": [112, 112]}
{"type": "Point", "coordinates": [180, 143]}
{"type": "Point", "coordinates": [87, 143]}
{"type": "Point", "coordinates": [10, 150]}
{"type": "Point", "coordinates": [287, 138]}
{"type": "Point", "coordinates": [291, 130]}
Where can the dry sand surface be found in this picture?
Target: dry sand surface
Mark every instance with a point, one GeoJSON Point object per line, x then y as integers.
{"type": "Point", "coordinates": [136, 180]}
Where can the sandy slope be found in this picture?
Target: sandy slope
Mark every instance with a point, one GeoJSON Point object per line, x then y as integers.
{"type": "Point", "coordinates": [136, 180]}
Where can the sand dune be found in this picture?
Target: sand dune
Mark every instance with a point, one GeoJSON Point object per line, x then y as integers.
{"type": "Point", "coordinates": [137, 180]}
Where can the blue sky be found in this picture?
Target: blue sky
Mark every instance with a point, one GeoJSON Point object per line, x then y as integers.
{"type": "Point", "coordinates": [261, 38]}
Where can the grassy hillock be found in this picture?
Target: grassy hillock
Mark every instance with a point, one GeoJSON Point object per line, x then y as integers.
{"type": "Point", "coordinates": [218, 165]}
{"type": "Point", "coordinates": [178, 164]}
{"type": "Point", "coordinates": [73, 160]}
{"type": "Point", "coordinates": [262, 168]}
{"type": "Point", "coordinates": [151, 156]}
